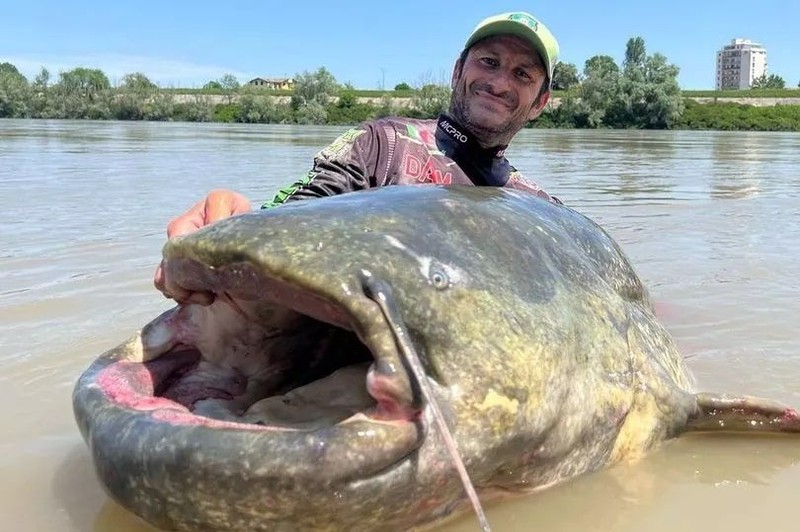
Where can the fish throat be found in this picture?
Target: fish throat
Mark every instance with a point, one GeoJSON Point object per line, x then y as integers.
{"type": "Point", "coordinates": [275, 354]}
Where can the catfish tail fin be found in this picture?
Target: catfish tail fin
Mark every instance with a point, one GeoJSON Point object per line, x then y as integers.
{"type": "Point", "coordinates": [726, 413]}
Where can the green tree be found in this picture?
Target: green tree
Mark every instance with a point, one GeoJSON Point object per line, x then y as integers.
{"type": "Point", "coordinates": [643, 94]}
{"type": "Point", "coordinates": [600, 66]}
{"type": "Point", "coordinates": [597, 93]}
{"type": "Point", "coordinates": [658, 102]}
{"type": "Point", "coordinates": [213, 85]}
{"type": "Point", "coordinates": [649, 95]}
{"type": "Point", "coordinates": [137, 82]}
{"type": "Point", "coordinates": [40, 95]}
{"type": "Point", "coordinates": [84, 82]}
{"type": "Point", "coordinates": [133, 97]}
{"type": "Point", "coordinates": [230, 85]}
{"type": "Point", "coordinates": [402, 87]}
{"type": "Point", "coordinates": [82, 93]}
{"type": "Point", "coordinates": [347, 99]}
{"type": "Point", "coordinates": [768, 82]}
{"type": "Point", "coordinates": [196, 109]}
{"type": "Point", "coordinates": [159, 106]}
{"type": "Point", "coordinates": [8, 69]}
{"type": "Point", "coordinates": [42, 79]}
{"type": "Point", "coordinates": [431, 99]}
{"type": "Point", "coordinates": [635, 57]}
{"type": "Point", "coordinates": [312, 112]}
{"type": "Point", "coordinates": [14, 93]}
{"type": "Point", "coordinates": [565, 75]}
{"type": "Point", "coordinates": [262, 109]}
{"type": "Point", "coordinates": [229, 82]}
{"type": "Point", "coordinates": [348, 110]}
{"type": "Point", "coordinates": [317, 86]}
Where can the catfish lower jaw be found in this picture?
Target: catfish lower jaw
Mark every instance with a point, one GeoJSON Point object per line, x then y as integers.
{"type": "Point", "coordinates": [328, 430]}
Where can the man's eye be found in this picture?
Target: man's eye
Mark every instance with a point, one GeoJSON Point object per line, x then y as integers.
{"type": "Point", "coordinates": [490, 61]}
{"type": "Point", "coordinates": [523, 74]}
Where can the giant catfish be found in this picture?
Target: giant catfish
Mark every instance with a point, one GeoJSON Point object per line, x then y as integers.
{"type": "Point", "coordinates": [290, 401]}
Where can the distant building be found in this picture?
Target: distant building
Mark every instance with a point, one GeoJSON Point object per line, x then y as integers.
{"type": "Point", "coordinates": [273, 83]}
{"type": "Point", "coordinates": [739, 63]}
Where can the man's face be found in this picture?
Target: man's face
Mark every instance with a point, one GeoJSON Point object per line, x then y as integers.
{"type": "Point", "coordinates": [495, 91]}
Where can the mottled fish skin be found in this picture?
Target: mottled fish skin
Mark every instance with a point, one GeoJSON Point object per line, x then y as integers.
{"type": "Point", "coordinates": [539, 340]}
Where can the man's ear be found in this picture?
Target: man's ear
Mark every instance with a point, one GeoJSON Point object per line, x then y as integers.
{"type": "Point", "coordinates": [455, 76]}
{"type": "Point", "coordinates": [538, 106]}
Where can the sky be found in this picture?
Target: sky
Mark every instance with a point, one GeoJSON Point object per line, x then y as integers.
{"type": "Point", "coordinates": [370, 44]}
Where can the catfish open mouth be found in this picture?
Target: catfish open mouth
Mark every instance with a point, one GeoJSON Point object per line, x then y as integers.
{"type": "Point", "coordinates": [275, 355]}
{"type": "Point", "coordinates": [284, 377]}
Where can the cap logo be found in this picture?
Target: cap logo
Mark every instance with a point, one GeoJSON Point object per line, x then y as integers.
{"type": "Point", "coordinates": [526, 19]}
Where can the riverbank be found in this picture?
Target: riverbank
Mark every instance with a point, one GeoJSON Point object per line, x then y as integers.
{"type": "Point", "coordinates": [704, 111]}
{"type": "Point", "coordinates": [407, 101]}
{"type": "Point", "coordinates": [612, 97]}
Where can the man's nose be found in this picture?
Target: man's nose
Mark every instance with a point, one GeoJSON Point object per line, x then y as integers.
{"type": "Point", "coordinates": [500, 82]}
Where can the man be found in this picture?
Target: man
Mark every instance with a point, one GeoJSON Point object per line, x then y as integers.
{"type": "Point", "coordinates": [500, 82]}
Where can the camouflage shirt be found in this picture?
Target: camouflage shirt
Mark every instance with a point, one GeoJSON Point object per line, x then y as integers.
{"type": "Point", "coordinates": [404, 151]}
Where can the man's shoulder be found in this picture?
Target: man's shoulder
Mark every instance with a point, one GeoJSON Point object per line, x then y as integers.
{"type": "Point", "coordinates": [393, 130]}
{"type": "Point", "coordinates": [400, 123]}
{"type": "Point", "coordinates": [378, 130]}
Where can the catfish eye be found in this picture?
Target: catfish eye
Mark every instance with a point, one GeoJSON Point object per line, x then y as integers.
{"type": "Point", "coordinates": [439, 278]}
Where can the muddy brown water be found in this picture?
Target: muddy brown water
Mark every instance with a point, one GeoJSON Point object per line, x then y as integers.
{"type": "Point", "coordinates": [710, 220]}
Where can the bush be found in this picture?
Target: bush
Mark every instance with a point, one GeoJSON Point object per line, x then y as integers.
{"type": "Point", "coordinates": [226, 112]}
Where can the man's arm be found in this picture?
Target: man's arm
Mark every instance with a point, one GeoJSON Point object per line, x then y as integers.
{"type": "Point", "coordinates": [349, 163]}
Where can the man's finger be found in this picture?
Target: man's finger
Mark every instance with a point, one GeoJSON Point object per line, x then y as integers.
{"type": "Point", "coordinates": [219, 204]}
{"type": "Point", "coordinates": [188, 222]}
{"type": "Point", "coordinates": [224, 203]}
{"type": "Point", "coordinates": [158, 279]}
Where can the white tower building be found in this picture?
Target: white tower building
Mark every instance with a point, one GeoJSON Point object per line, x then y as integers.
{"type": "Point", "coordinates": [739, 63]}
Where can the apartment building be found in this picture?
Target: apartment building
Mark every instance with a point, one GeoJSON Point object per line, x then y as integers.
{"type": "Point", "coordinates": [739, 63]}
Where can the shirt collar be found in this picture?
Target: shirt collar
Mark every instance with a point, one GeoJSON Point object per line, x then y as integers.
{"type": "Point", "coordinates": [460, 137]}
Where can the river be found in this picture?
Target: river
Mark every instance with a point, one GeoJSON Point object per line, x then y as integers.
{"type": "Point", "coordinates": [709, 219]}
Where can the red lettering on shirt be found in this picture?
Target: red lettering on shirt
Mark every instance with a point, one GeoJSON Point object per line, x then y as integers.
{"type": "Point", "coordinates": [434, 175]}
{"type": "Point", "coordinates": [412, 166]}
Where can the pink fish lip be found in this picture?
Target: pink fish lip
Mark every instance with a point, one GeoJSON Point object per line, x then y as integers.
{"type": "Point", "coordinates": [133, 386]}
{"type": "Point", "coordinates": [145, 387]}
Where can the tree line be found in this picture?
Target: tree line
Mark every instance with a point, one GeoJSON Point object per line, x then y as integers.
{"type": "Point", "coordinates": [641, 92]}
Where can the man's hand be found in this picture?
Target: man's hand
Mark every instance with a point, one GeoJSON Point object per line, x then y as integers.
{"type": "Point", "coordinates": [217, 205]}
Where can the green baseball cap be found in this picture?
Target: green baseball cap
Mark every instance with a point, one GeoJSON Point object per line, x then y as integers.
{"type": "Point", "coordinates": [525, 26]}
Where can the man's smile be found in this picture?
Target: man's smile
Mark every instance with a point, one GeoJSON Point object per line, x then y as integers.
{"type": "Point", "coordinates": [492, 99]}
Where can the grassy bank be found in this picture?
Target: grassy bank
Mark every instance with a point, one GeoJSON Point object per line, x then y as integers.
{"type": "Point", "coordinates": [738, 117]}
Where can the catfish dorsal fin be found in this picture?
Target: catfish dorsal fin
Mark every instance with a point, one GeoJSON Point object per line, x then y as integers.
{"type": "Point", "coordinates": [726, 413]}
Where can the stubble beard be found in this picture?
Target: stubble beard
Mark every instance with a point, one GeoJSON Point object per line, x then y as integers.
{"type": "Point", "coordinates": [487, 136]}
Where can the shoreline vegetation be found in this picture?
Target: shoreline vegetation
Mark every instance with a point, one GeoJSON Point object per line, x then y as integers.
{"type": "Point", "coordinates": [640, 93]}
